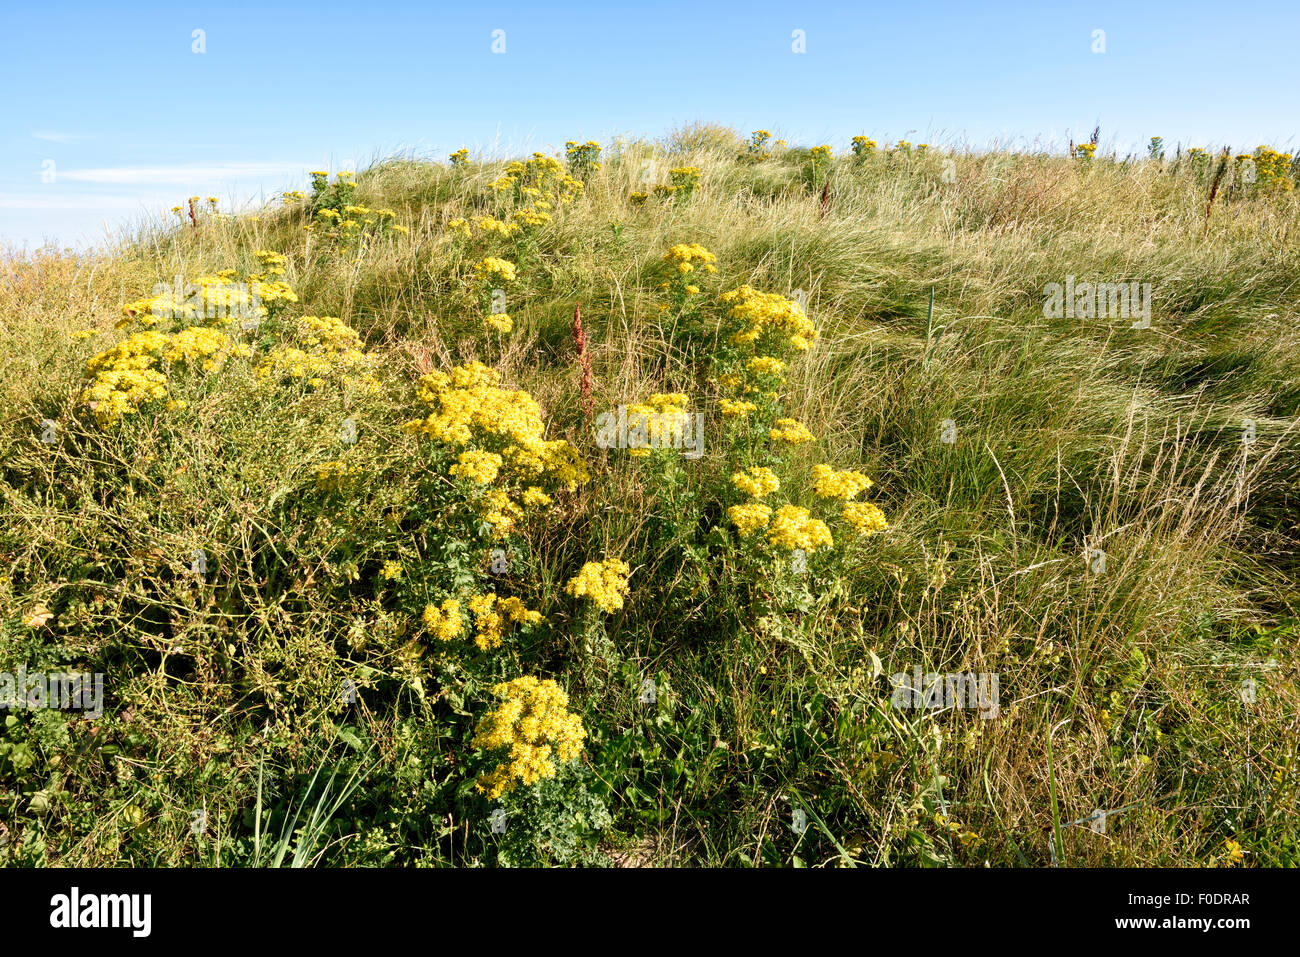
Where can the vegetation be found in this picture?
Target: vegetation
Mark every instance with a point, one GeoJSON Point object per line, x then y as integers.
{"type": "Point", "coordinates": [377, 573]}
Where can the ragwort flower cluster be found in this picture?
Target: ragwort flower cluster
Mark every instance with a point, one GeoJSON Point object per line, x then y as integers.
{"type": "Point", "coordinates": [196, 318]}
{"type": "Point", "coordinates": [320, 349]}
{"type": "Point", "coordinates": [604, 583]}
{"type": "Point", "coordinates": [534, 728]}
{"type": "Point", "coordinates": [497, 437]}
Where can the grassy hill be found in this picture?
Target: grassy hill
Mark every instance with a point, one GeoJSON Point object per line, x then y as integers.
{"type": "Point", "coordinates": [358, 573]}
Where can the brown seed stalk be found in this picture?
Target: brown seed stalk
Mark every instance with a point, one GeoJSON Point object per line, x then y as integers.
{"type": "Point", "coordinates": [588, 401]}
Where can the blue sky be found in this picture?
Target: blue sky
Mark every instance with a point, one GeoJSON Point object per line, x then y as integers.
{"type": "Point", "coordinates": [129, 120]}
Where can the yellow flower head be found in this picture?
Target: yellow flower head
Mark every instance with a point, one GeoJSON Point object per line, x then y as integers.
{"type": "Point", "coordinates": [769, 314]}
{"type": "Point", "coordinates": [758, 482]}
{"type": "Point", "coordinates": [445, 622]}
{"type": "Point", "coordinates": [864, 518]}
{"type": "Point", "coordinates": [793, 528]}
{"type": "Point", "coordinates": [736, 410]}
{"type": "Point", "coordinates": [765, 365]}
{"type": "Point", "coordinates": [605, 583]}
{"type": "Point", "coordinates": [832, 484]}
{"type": "Point", "coordinates": [492, 266]}
{"type": "Point", "coordinates": [750, 517]}
{"type": "Point", "coordinates": [534, 728]}
{"type": "Point", "coordinates": [790, 430]}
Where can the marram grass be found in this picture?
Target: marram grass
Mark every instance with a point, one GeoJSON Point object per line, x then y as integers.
{"type": "Point", "coordinates": [332, 504]}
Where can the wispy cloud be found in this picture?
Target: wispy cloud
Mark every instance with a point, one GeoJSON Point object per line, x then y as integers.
{"type": "Point", "coordinates": [53, 136]}
{"type": "Point", "coordinates": [78, 201]}
{"type": "Point", "coordinates": [150, 175]}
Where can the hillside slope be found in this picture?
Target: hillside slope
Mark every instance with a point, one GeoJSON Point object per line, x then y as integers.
{"type": "Point", "coordinates": [355, 539]}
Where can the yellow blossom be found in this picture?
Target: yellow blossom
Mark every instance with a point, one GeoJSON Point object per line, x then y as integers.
{"type": "Point", "coordinates": [534, 728]}
{"type": "Point", "coordinates": [758, 481]}
{"type": "Point", "coordinates": [750, 517]}
{"type": "Point", "coordinates": [792, 528]}
{"type": "Point", "coordinates": [605, 583]}
{"type": "Point", "coordinates": [832, 484]}
{"type": "Point", "coordinates": [444, 622]}
{"type": "Point", "coordinates": [790, 430]}
{"type": "Point", "coordinates": [864, 518]}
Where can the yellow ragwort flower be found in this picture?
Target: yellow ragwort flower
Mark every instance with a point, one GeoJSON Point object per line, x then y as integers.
{"type": "Point", "coordinates": [605, 583]}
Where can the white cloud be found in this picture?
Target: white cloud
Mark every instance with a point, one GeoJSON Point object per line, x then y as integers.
{"type": "Point", "coordinates": [149, 175]}
{"type": "Point", "coordinates": [57, 137]}
{"type": "Point", "coordinates": [86, 201]}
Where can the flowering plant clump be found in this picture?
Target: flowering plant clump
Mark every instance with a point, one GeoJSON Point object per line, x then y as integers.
{"type": "Point", "coordinates": [534, 188]}
{"type": "Point", "coordinates": [196, 317]}
{"type": "Point", "coordinates": [684, 263]}
{"type": "Point", "coordinates": [582, 158]}
{"type": "Point", "coordinates": [683, 181]}
{"type": "Point", "coordinates": [605, 583]}
{"type": "Point", "coordinates": [336, 215]}
{"type": "Point", "coordinates": [493, 268]}
{"type": "Point", "coordinates": [658, 424]}
{"type": "Point", "coordinates": [769, 319]}
{"type": "Point", "coordinates": [684, 256]}
{"type": "Point", "coordinates": [1199, 159]}
{"type": "Point", "coordinates": [757, 482]}
{"type": "Point", "coordinates": [444, 621]}
{"type": "Point", "coordinates": [495, 616]}
{"type": "Point", "coordinates": [793, 527]}
{"type": "Point", "coordinates": [864, 518]}
{"type": "Point", "coordinates": [354, 222]}
{"type": "Point", "coordinates": [318, 349]}
{"type": "Point", "coordinates": [126, 377]}
{"type": "Point", "coordinates": [488, 273]}
{"type": "Point", "coordinates": [766, 327]}
{"type": "Point", "coordinates": [863, 146]}
{"type": "Point", "coordinates": [534, 727]}
{"type": "Point", "coordinates": [736, 408]}
{"type": "Point", "coordinates": [332, 195]}
{"type": "Point", "coordinates": [758, 144]}
{"type": "Point", "coordinates": [498, 438]}
{"type": "Point", "coordinates": [215, 300]}
{"type": "Point", "coordinates": [1266, 170]}
{"type": "Point", "coordinates": [843, 485]}
{"type": "Point", "coordinates": [791, 431]}
{"type": "Point", "coordinates": [460, 157]}
{"type": "Point", "coordinates": [750, 517]}
{"type": "Point", "coordinates": [821, 162]}
{"type": "Point", "coordinates": [483, 225]}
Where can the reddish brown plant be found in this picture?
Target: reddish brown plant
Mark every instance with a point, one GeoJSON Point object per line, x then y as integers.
{"type": "Point", "coordinates": [584, 363]}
